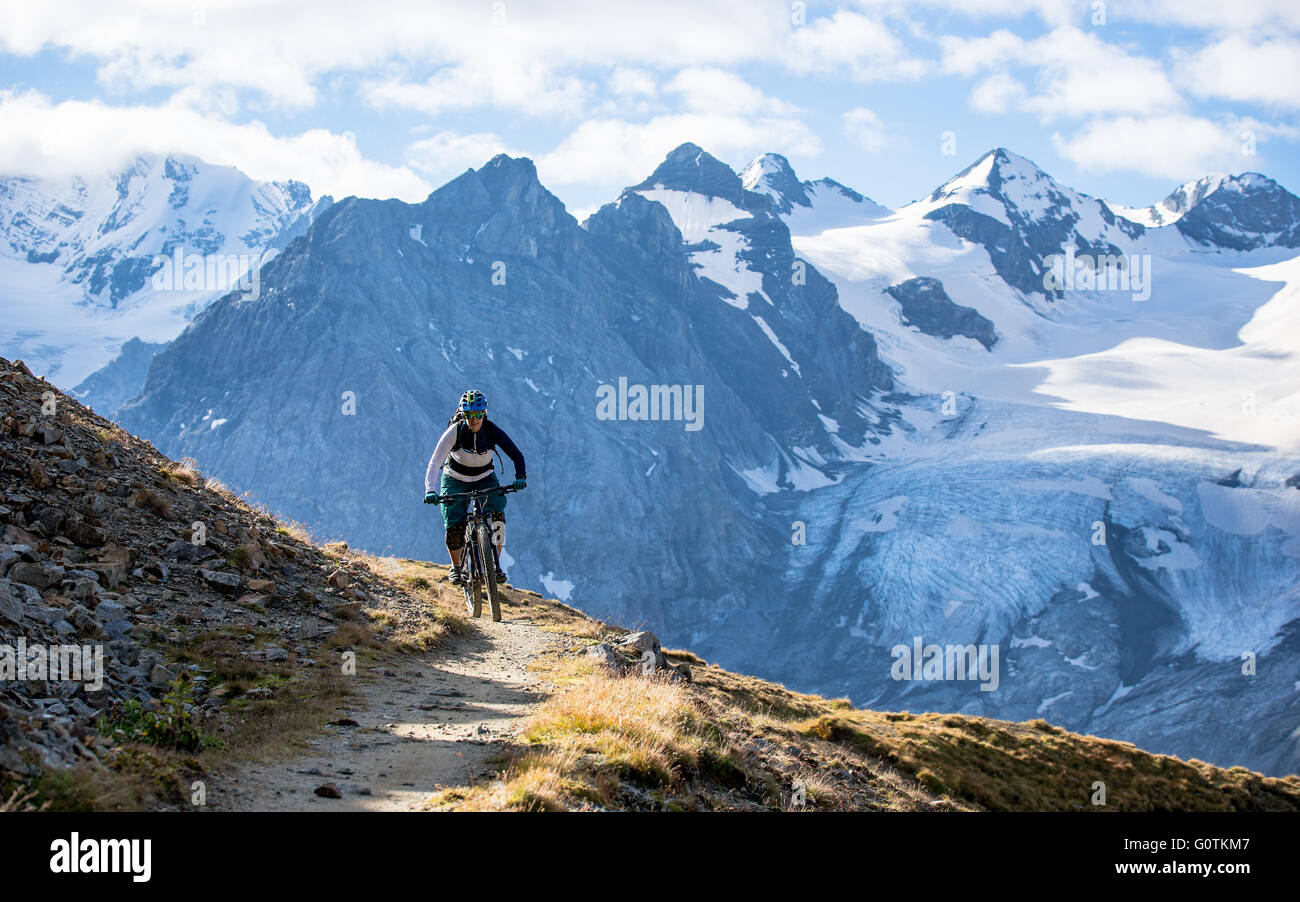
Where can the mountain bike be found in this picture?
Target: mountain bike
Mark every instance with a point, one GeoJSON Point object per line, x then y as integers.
{"type": "Point", "coordinates": [479, 559]}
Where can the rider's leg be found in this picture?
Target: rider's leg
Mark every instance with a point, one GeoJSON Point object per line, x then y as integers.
{"type": "Point", "coordinates": [499, 539]}
{"type": "Point", "coordinates": [453, 518]}
{"type": "Point", "coordinates": [456, 543]}
{"type": "Point", "coordinates": [498, 531]}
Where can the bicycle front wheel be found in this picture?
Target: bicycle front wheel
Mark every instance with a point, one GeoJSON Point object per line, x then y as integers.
{"type": "Point", "coordinates": [483, 538]}
{"type": "Point", "coordinates": [473, 600]}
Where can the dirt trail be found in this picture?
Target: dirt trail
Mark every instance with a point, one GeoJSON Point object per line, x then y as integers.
{"type": "Point", "coordinates": [423, 722]}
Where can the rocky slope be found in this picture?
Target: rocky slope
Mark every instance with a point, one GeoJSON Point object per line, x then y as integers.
{"type": "Point", "coordinates": [99, 550]}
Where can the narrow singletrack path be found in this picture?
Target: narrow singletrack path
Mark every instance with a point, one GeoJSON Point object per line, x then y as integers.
{"type": "Point", "coordinates": [424, 722]}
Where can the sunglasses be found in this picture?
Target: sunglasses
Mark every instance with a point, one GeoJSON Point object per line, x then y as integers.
{"type": "Point", "coordinates": [474, 415]}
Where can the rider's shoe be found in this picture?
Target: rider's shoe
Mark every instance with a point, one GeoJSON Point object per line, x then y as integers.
{"type": "Point", "coordinates": [501, 575]}
{"type": "Point", "coordinates": [455, 577]}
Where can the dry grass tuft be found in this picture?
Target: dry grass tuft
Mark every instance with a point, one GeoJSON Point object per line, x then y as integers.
{"type": "Point", "coordinates": [185, 473]}
{"type": "Point", "coordinates": [150, 500]}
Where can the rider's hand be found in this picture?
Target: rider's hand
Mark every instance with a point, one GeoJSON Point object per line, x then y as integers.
{"type": "Point", "coordinates": [519, 484]}
{"type": "Point", "coordinates": [430, 497]}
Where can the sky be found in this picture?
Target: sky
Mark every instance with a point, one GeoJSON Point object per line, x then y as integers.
{"type": "Point", "coordinates": [1122, 100]}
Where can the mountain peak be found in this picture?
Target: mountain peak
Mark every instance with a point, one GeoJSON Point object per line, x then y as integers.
{"type": "Point", "coordinates": [503, 170]}
{"type": "Point", "coordinates": [1022, 215]}
{"type": "Point", "coordinates": [502, 206]}
{"type": "Point", "coordinates": [988, 173]}
{"type": "Point", "coordinates": [772, 175]}
{"type": "Point", "coordinates": [1238, 212]}
{"type": "Point", "coordinates": [688, 167]}
{"type": "Point", "coordinates": [501, 181]}
{"type": "Point", "coordinates": [1005, 185]}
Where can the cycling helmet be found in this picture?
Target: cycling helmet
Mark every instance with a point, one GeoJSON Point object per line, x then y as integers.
{"type": "Point", "coordinates": [473, 400]}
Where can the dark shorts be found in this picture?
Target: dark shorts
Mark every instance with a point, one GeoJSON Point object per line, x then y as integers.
{"type": "Point", "coordinates": [455, 512]}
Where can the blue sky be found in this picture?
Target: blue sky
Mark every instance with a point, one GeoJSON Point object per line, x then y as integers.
{"type": "Point", "coordinates": [1124, 100]}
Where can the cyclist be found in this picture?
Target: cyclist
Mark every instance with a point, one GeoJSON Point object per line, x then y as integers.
{"type": "Point", "coordinates": [464, 455]}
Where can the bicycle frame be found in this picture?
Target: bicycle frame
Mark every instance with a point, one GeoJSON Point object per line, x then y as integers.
{"type": "Point", "coordinates": [474, 516]}
{"type": "Point", "coordinates": [477, 576]}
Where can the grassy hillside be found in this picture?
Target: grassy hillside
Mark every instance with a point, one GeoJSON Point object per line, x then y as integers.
{"type": "Point", "coordinates": [729, 741]}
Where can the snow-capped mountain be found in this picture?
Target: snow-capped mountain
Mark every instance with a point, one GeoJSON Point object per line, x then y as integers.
{"type": "Point", "coordinates": [904, 431]}
{"type": "Point", "coordinates": [821, 204]}
{"type": "Point", "coordinates": [1232, 212]}
{"type": "Point", "coordinates": [1102, 481]}
{"type": "Point", "coordinates": [87, 263]}
{"type": "Point", "coordinates": [1176, 335]}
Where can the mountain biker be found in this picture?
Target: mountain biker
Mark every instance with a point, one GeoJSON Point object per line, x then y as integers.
{"type": "Point", "coordinates": [464, 455]}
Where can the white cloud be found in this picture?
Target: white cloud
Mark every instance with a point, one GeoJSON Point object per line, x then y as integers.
{"type": "Point", "coordinates": [864, 128]}
{"type": "Point", "coordinates": [1212, 15]}
{"type": "Point", "coordinates": [516, 85]}
{"type": "Point", "coordinates": [281, 49]}
{"type": "Point", "coordinates": [969, 56]}
{"type": "Point", "coordinates": [997, 93]}
{"type": "Point", "coordinates": [628, 80]}
{"type": "Point", "coordinates": [1240, 69]}
{"type": "Point", "coordinates": [851, 43]}
{"type": "Point", "coordinates": [1215, 15]}
{"type": "Point", "coordinates": [709, 90]}
{"type": "Point", "coordinates": [1078, 74]}
{"type": "Point", "coordinates": [446, 155]}
{"type": "Point", "coordinates": [1178, 147]}
{"type": "Point", "coordinates": [45, 139]}
{"type": "Point", "coordinates": [617, 152]}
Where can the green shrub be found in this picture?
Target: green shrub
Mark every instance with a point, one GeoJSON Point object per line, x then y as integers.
{"type": "Point", "coordinates": [171, 726]}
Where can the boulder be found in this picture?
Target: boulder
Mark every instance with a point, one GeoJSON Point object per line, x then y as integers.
{"type": "Point", "coordinates": [16, 535]}
{"type": "Point", "coordinates": [160, 676]}
{"type": "Point", "coordinates": [225, 583]}
{"type": "Point", "coordinates": [110, 573]}
{"type": "Point", "coordinates": [306, 595]}
{"type": "Point", "coordinates": [110, 610]}
{"type": "Point", "coordinates": [328, 791]}
{"type": "Point", "coordinates": [42, 576]}
{"type": "Point", "coordinates": [118, 629]}
{"type": "Point", "coordinates": [254, 558]}
{"type": "Point", "coordinates": [11, 609]}
{"type": "Point", "coordinates": [606, 657]}
{"type": "Point", "coordinates": [47, 433]}
{"type": "Point", "coordinates": [188, 552]}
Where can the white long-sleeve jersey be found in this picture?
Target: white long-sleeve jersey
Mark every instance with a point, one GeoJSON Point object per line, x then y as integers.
{"type": "Point", "coordinates": [473, 460]}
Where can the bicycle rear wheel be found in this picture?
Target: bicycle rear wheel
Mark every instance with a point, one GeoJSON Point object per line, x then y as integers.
{"type": "Point", "coordinates": [483, 539]}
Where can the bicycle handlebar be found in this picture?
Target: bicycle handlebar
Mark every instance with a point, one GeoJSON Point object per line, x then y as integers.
{"type": "Point", "coordinates": [476, 493]}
